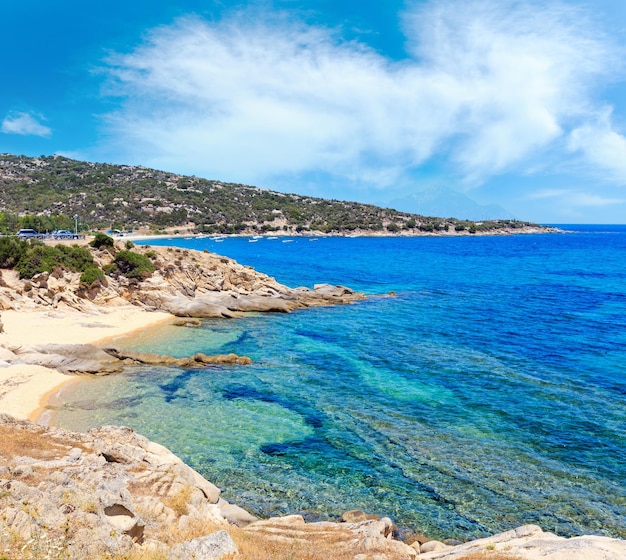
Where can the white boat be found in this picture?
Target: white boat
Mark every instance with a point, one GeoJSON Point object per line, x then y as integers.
{"type": "Point", "coordinates": [253, 240]}
{"type": "Point", "coordinates": [287, 240]}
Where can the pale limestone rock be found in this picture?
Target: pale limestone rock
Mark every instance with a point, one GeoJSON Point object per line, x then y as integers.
{"type": "Point", "coordinates": [212, 547]}
{"type": "Point", "coordinates": [432, 546]}
{"type": "Point", "coordinates": [186, 283]}
{"type": "Point", "coordinates": [236, 515]}
{"type": "Point", "coordinates": [529, 542]}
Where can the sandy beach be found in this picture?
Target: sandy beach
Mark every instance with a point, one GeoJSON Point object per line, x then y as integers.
{"type": "Point", "coordinates": [24, 389]}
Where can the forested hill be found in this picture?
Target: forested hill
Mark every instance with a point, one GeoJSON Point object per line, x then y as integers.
{"type": "Point", "coordinates": [46, 193]}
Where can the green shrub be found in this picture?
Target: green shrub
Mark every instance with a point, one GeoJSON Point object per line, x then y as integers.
{"type": "Point", "coordinates": [102, 240]}
{"type": "Point", "coordinates": [73, 258]}
{"type": "Point", "coordinates": [91, 275]}
{"type": "Point", "coordinates": [38, 258]}
{"type": "Point", "coordinates": [109, 269]}
{"type": "Point", "coordinates": [11, 251]}
{"type": "Point", "coordinates": [129, 244]}
{"type": "Point", "coordinates": [133, 265]}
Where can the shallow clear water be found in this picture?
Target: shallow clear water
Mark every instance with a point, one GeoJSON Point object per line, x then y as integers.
{"type": "Point", "coordinates": [488, 392]}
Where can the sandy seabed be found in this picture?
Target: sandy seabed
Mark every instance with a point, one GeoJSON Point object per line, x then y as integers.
{"type": "Point", "coordinates": [25, 389]}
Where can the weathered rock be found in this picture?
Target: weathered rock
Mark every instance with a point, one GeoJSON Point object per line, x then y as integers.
{"type": "Point", "coordinates": [237, 515]}
{"type": "Point", "coordinates": [181, 306]}
{"type": "Point", "coordinates": [212, 547]}
{"type": "Point", "coordinates": [530, 542]}
{"type": "Point", "coordinates": [67, 358]}
{"type": "Point", "coordinates": [158, 359]}
{"type": "Point", "coordinates": [357, 515]}
{"type": "Point", "coordinates": [87, 358]}
{"type": "Point", "coordinates": [191, 322]}
{"type": "Point", "coordinates": [124, 520]}
{"type": "Point", "coordinates": [432, 546]}
{"type": "Point", "coordinates": [95, 484]}
{"type": "Point", "coordinates": [186, 284]}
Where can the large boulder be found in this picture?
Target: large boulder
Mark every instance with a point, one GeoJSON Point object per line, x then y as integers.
{"type": "Point", "coordinates": [67, 358]}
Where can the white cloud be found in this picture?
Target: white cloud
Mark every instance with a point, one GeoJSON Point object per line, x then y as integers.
{"type": "Point", "coordinates": [602, 146]}
{"type": "Point", "coordinates": [488, 86]}
{"type": "Point", "coordinates": [24, 124]}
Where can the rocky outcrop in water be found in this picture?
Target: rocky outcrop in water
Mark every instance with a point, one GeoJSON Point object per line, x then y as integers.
{"type": "Point", "coordinates": [87, 358]}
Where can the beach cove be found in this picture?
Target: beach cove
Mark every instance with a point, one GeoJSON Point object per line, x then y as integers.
{"type": "Point", "coordinates": [301, 420]}
{"type": "Point", "coordinates": [25, 389]}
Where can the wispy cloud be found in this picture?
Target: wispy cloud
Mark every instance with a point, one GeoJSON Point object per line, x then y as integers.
{"type": "Point", "coordinates": [576, 199]}
{"type": "Point", "coordinates": [25, 124]}
{"type": "Point", "coordinates": [488, 87]}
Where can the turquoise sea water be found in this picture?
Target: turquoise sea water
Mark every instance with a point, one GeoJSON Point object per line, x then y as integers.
{"type": "Point", "coordinates": [488, 392]}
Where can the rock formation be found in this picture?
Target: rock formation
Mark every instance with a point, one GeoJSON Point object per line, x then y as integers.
{"type": "Point", "coordinates": [87, 358]}
{"type": "Point", "coordinates": [186, 283]}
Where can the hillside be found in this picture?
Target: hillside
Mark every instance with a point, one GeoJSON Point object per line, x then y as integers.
{"type": "Point", "coordinates": [46, 193]}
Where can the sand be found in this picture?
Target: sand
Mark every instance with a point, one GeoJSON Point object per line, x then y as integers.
{"type": "Point", "coordinates": [25, 389]}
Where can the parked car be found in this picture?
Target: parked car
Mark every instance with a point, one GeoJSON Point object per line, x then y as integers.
{"type": "Point", "coordinates": [28, 233]}
{"type": "Point", "coordinates": [64, 234]}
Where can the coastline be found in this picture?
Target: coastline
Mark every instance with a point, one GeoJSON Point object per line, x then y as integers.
{"type": "Point", "coordinates": [528, 230]}
{"type": "Point", "coordinates": [109, 324]}
{"type": "Point", "coordinates": [25, 389]}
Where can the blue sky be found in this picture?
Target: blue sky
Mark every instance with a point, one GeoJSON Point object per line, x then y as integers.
{"type": "Point", "coordinates": [516, 103]}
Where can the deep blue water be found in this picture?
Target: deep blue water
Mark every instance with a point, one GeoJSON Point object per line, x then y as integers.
{"type": "Point", "coordinates": [487, 392]}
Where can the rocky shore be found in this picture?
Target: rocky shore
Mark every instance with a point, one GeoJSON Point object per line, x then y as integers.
{"type": "Point", "coordinates": [185, 283]}
{"type": "Point", "coordinates": [110, 492]}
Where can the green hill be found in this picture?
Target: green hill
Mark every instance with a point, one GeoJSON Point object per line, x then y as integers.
{"type": "Point", "coordinates": [45, 193]}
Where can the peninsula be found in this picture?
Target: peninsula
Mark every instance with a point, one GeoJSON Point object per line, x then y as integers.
{"type": "Point", "coordinates": [96, 196]}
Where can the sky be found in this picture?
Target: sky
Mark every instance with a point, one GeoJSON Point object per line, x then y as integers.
{"type": "Point", "coordinates": [515, 103]}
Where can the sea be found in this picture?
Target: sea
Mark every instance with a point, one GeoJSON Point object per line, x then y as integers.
{"type": "Point", "coordinates": [479, 387]}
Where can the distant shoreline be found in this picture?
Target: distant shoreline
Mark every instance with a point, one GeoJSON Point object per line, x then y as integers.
{"type": "Point", "coordinates": [503, 232]}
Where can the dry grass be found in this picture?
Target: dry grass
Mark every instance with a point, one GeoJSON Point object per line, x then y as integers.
{"type": "Point", "coordinates": [254, 546]}
{"type": "Point", "coordinates": [34, 443]}
{"type": "Point", "coordinates": [490, 555]}
{"type": "Point", "coordinates": [179, 501]}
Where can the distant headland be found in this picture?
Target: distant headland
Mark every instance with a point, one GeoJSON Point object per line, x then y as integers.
{"type": "Point", "coordinates": [55, 193]}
